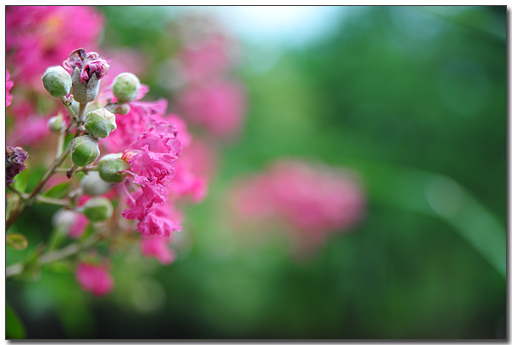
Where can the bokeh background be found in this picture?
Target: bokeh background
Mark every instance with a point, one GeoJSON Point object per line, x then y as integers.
{"type": "Point", "coordinates": [411, 99]}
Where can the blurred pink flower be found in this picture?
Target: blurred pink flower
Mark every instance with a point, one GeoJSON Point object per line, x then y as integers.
{"type": "Point", "coordinates": [94, 278]}
{"type": "Point", "coordinates": [123, 60]}
{"type": "Point", "coordinates": [218, 107]}
{"type": "Point", "coordinates": [78, 226]}
{"type": "Point", "coordinates": [8, 86]}
{"type": "Point", "coordinates": [39, 36]}
{"type": "Point", "coordinates": [313, 200]}
{"type": "Point", "coordinates": [202, 157]}
{"type": "Point", "coordinates": [205, 60]}
{"type": "Point", "coordinates": [29, 131]}
{"type": "Point", "coordinates": [157, 247]}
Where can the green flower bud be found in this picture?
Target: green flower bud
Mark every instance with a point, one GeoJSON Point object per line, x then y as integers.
{"type": "Point", "coordinates": [98, 209]}
{"type": "Point", "coordinates": [122, 109]}
{"type": "Point", "coordinates": [84, 150]}
{"type": "Point", "coordinates": [92, 184]}
{"type": "Point", "coordinates": [126, 87]}
{"type": "Point", "coordinates": [100, 123]}
{"type": "Point", "coordinates": [110, 167]}
{"type": "Point", "coordinates": [56, 123]}
{"type": "Point", "coordinates": [84, 92]}
{"type": "Point", "coordinates": [57, 81]}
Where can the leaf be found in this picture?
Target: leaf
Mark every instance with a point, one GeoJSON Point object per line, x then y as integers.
{"type": "Point", "coordinates": [21, 180]}
{"type": "Point", "coordinates": [58, 191]}
{"type": "Point", "coordinates": [14, 328]}
{"type": "Point", "coordinates": [16, 241]}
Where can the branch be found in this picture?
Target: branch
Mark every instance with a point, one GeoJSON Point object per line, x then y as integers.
{"type": "Point", "coordinates": [31, 198]}
{"type": "Point", "coordinates": [70, 250]}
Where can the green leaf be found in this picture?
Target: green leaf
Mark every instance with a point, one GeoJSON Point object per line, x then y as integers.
{"type": "Point", "coordinates": [58, 191]}
{"type": "Point", "coordinates": [14, 328]}
{"type": "Point", "coordinates": [16, 241]}
{"type": "Point", "coordinates": [21, 180]}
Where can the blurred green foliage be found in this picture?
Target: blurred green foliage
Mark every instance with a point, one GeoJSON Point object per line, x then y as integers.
{"type": "Point", "coordinates": [408, 97]}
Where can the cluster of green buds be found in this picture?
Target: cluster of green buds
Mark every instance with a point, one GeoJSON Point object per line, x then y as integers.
{"type": "Point", "coordinates": [75, 89]}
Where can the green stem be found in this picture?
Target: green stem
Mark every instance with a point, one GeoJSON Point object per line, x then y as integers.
{"type": "Point", "coordinates": [70, 250]}
{"type": "Point", "coordinates": [68, 107]}
{"type": "Point", "coordinates": [81, 113]}
{"type": "Point", "coordinates": [32, 197]}
{"type": "Point", "coordinates": [60, 142]}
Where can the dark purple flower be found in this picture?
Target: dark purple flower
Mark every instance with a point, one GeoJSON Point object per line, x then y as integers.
{"type": "Point", "coordinates": [14, 162]}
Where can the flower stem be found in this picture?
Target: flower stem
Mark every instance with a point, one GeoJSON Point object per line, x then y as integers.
{"type": "Point", "coordinates": [70, 250]}
{"type": "Point", "coordinates": [68, 107]}
{"type": "Point", "coordinates": [32, 197]}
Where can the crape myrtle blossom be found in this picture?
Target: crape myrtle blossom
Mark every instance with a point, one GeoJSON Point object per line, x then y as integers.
{"type": "Point", "coordinates": [157, 247]}
{"type": "Point", "coordinates": [208, 96]}
{"type": "Point", "coordinates": [151, 144]}
{"type": "Point", "coordinates": [313, 200]}
{"type": "Point", "coordinates": [89, 64]}
{"type": "Point", "coordinates": [94, 278]}
{"type": "Point", "coordinates": [39, 36]}
{"type": "Point", "coordinates": [216, 106]}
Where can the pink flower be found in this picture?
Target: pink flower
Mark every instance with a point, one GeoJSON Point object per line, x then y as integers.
{"type": "Point", "coordinates": [8, 86]}
{"type": "Point", "coordinates": [205, 60]}
{"type": "Point", "coordinates": [29, 131]}
{"type": "Point", "coordinates": [185, 182]}
{"type": "Point", "coordinates": [202, 157]}
{"type": "Point", "coordinates": [157, 247]}
{"type": "Point", "coordinates": [94, 278]}
{"type": "Point", "coordinates": [313, 200]}
{"type": "Point", "coordinates": [150, 194]}
{"type": "Point", "coordinates": [78, 226]}
{"type": "Point", "coordinates": [152, 166]}
{"type": "Point", "coordinates": [88, 64]}
{"type": "Point", "coordinates": [40, 36]}
{"type": "Point", "coordinates": [218, 107]}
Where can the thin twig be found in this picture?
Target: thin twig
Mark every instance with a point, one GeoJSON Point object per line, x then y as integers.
{"type": "Point", "coordinates": [55, 255]}
{"type": "Point", "coordinates": [31, 198]}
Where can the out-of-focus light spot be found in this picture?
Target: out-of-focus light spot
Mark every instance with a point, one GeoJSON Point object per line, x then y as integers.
{"type": "Point", "coordinates": [444, 195]}
{"type": "Point", "coordinates": [464, 87]}
{"type": "Point", "coordinates": [147, 295]}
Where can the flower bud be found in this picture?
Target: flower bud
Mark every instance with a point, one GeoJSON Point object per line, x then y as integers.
{"type": "Point", "coordinates": [100, 123]}
{"type": "Point", "coordinates": [57, 81]}
{"type": "Point", "coordinates": [122, 109]}
{"type": "Point", "coordinates": [56, 123]}
{"type": "Point", "coordinates": [110, 167]}
{"type": "Point", "coordinates": [92, 184]}
{"type": "Point", "coordinates": [84, 92]}
{"type": "Point", "coordinates": [98, 209]}
{"type": "Point", "coordinates": [84, 150]}
{"type": "Point", "coordinates": [126, 87]}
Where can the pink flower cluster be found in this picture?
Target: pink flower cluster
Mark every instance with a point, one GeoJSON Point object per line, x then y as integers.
{"type": "Point", "coordinates": [313, 200]}
{"type": "Point", "coordinates": [39, 36]}
{"type": "Point", "coordinates": [210, 98]}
